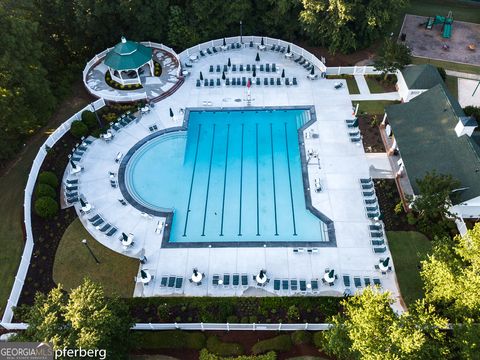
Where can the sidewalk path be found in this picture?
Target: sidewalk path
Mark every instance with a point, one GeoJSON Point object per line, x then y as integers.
{"type": "Point", "coordinates": [463, 75]}
{"type": "Point", "coordinates": [362, 85]}
{"type": "Point", "coordinates": [376, 97]}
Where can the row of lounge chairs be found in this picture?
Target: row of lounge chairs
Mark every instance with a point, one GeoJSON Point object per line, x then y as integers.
{"type": "Point", "coordinates": [102, 225]}
{"type": "Point", "coordinates": [237, 280]}
{"type": "Point", "coordinates": [296, 286]}
{"type": "Point", "coordinates": [357, 281]}
{"type": "Point", "coordinates": [71, 191]}
{"type": "Point", "coordinates": [241, 68]}
{"type": "Point", "coordinates": [304, 62]}
{"type": "Point", "coordinates": [123, 121]}
{"type": "Point", "coordinates": [243, 82]}
{"type": "Point", "coordinates": [307, 251]}
{"type": "Point", "coordinates": [372, 209]}
{"type": "Point", "coordinates": [172, 282]}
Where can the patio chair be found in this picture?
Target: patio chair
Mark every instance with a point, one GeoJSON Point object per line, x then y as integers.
{"type": "Point", "coordinates": [276, 284]}
{"type": "Point", "coordinates": [294, 81]}
{"type": "Point", "coordinates": [265, 81]}
{"type": "Point", "coordinates": [215, 279]}
{"type": "Point", "coordinates": [123, 202]}
{"type": "Point", "coordinates": [218, 69]}
{"type": "Point", "coordinates": [274, 67]}
{"type": "Point", "coordinates": [285, 285]}
{"type": "Point", "coordinates": [283, 49]}
{"type": "Point", "coordinates": [112, 231]}
{"type": "Point", "coordinates": [257, 81]}
{"type": "Point", "coordinates": [94, 218]}
{"type": "Point", "coordinates": [261, 67]}
{"type": "Point", "coordinates": [113, 183]}
{"type": "Point", "coordinates": [357, 281]}
{"type": "Point", "coordinates": [314, 284]}
{"type": "Point", "coordinates": [202, 53]}
{"type": "Point", "coordinates": [244, 278]}
{"type": "Point", "coordinates": [294, 284]}
{"type": "Point", "coordinates": [209, 52]}
{"type": "Point", "coordinates": [377, 282]}
{"type": "Point", "coordinates": [272, 48]}
{"type": "Point", "coordinates": [346, 280]}
{"type": "Point", "coordinates": [235, 280]}
{"type": "Point", "coordinates": [164, 281]}
{"type": "Point", "coordinates": [379, 250]}
{"type": "Point", "coordinates": [287, 81]}
{"type": "Point", "coordinates": [303, 285]}
{"type": "Point", "coordinates": [214, 49]}
{"type": "Point", "coordinates": [188, 65]}
{"type": "Point", "coordinates": [367, 281]}
{"type": "Point", "coordinates": [251, 44]}
{"type": "Point", "coordinates": [226, 280]}
{"type": "Point", "coordinates": [377, 267]}
{"type": "Point", "coordinates": [211, 69]}
{"type": "Point", "coordinates": [272, 81]}
{"type": "Point", "coordinates": [218, 82]}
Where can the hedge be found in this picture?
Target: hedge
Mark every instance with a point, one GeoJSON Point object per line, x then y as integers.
{"type": "Point", "coordinates": [278, 343]}
{"type": "Point", "coordinates": [49, 178]}
{"type": "Point", "coordinates": [46, 207]}
{"type": "Point", "coordinates": [45, 190]}
{"type": "Point", "coordinates": [170, 339]}
{"type": "Point", "coordinates": [205, 355]}
{"type": "Point", "coordinates": [78, 129]}
{"type": "Point", "coordinates": [89, 119]}
{"type": "Point", "coordinates": [217, 347]}
{"type": "Point", "coordinates": [300, 337]}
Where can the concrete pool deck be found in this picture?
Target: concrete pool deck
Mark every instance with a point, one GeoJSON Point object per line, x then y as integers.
{"type": "Point", "coordinates": [341, 164]}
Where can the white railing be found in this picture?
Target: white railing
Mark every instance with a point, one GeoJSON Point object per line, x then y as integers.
{"type": "Point", "coordinates": [32, 178]}
{"type": "Point", "coordinates": [108, 95]}
{"type": "Point", "coordinates": [185, 55]}
{"type": "Point", "coordinates": [352, 70]}
{"type": "Point", "coordinates": [208, 327]}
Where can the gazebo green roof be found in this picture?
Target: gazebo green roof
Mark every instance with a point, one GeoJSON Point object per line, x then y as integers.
{"type": "Point", "coordinates": [423, 76]}
{"type": "Point", "coordinates": [128, 55]}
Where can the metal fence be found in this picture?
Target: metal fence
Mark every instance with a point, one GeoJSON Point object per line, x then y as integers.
{"type": "Point", "coordinates": [185, 55]}
{"type": "Point", "coordinates": [32, 178]}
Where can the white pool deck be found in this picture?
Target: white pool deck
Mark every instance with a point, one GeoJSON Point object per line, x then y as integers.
{"type": "Point", "coordinates": [342, 163]}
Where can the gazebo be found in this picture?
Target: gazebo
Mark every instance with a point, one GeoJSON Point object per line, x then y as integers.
{"type": "Point", "coordinates": [125, 60]}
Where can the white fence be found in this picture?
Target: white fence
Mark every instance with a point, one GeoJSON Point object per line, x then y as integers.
{"type": "Point", "coordinates": [32, 178]}
{"type": "Point", "coordinates": [108, 95]}
{"type": "Point", "coordinates": [184, 55]}
{"type": "Point", "coordinates": [352, 70]}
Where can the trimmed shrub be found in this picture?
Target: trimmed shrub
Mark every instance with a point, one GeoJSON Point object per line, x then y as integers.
{"type": "Point", "coordinates": [318, 339]}
{"type": "Point", "coordinates": [45, 190]}
{"type": "Point", "coordinates": [78, 129]}
{"type": "Point", "coordinates": [205, 355]}
{"type": "Point", "coordinates": [89, 119]}
{"type": "Point", "coordinates": [232, 319]}
{"type": "Point", "coordinates": [49, 178]}
{"type": "Point", "coordinates": [278, 343]}
{"type": "Point", "coordinates": [217, 347]}
{"type": "Point", "coordinates": [170, 339]}
{"type": "Point", "coordinates": [472, 111]}
{"type": "Point", "coordinates": [301, 337]}
{"type": "Point", "coordinates": [46, 207]}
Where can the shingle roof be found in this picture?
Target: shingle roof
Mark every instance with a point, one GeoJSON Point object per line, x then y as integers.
{"type": "Point", "coordinates": [128, 55]}
{"type": "Point", "coordinates": [421, 76]}
{"type": "Point", "coordinates": [424, 129]}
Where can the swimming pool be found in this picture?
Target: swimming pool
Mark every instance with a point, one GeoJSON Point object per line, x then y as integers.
{"type": "Point", "coordinates": [233, 176]}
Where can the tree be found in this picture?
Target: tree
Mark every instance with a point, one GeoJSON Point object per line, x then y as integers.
{"type": "Point", "coordinates": [431, 206]}
{"type": "Point", "coordinates": [393, 56]}
{"type": "Point", "coordinates": [84, 318]}
{"type": "Point", "coordinates": [369, 329]}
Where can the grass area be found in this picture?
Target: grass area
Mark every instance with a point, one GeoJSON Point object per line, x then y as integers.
{"type": "Point", "coordinates": [351, 82]}
{"type": "Point", "coordinates": [373, 107]}
{"type": "Point", "coordinates": [408, 248]}
{"type": "Point", "coordinates": [73, 262]}
{"type": "Point", "coordinates": [14, 179]}
{"type": "Point", "coordinates": [447, 65]}
{"type": "Point", "coordinates": [374, 86]}
{"type": "Point", "coordinates": [452, 85]}
{"type": "Point", "coordinates": [462, 10]}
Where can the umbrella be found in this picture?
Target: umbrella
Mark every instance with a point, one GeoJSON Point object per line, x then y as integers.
{"type": "Point", "coordinates": [331, 274]}
{"type": "Point", "coordinates": [171, 112]}
{"type": "Point", "coordinates": [385, 262]}
{"type": "Point", "coordinates": [260, 275]}
{"type": "Point", "coordinates": [82, 203]}
{"type": "Point", "coordinates": [261, 43]}
{"type": "Point", "coordinates": [195, 272]}
{"type": "Point", "coordinates": [143, 274]}
{"type": "Point", "coordinates": [73, 164]}
{"type": "Point", "coordinates": [201, 76]}
{"type": "Point", "coordinates": [288, 49]}
{"type": "Point", "coordinates": [223, 76]}
{"type": "Point", "coordinates": [257, 58]}
{"type": "Point", "coordinates": [124, 236]}
{"type": "Point", "coordinates": [229, 62]}
{"type": "Point", "coordinates": [254, 73]}
{"type": "Point", "coordinates": [283, 73]}
{"type": "Point", "coordinates": [312, 72]}
{"type": "Point", "coordinates": [224, 42]}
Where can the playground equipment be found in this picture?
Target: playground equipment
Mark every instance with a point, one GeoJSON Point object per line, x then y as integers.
{"type": "Point", "coordinates": [445, 21]}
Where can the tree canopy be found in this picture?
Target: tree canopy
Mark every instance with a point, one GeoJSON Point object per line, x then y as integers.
{"type": "Point", "coordinates": [393, 56]}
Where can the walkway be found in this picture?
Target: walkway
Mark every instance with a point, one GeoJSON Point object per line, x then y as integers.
{"type": "Point", "coordinates": [391, 96]}
{"type": "Point", "coordinates": [380, 167]}
{"type": "Point", "coordinates": [362, 85]}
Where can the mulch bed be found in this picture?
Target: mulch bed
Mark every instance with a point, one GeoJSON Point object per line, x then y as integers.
{"type": "Point", "coordinates": [48, 233]}
{"type": "Point", "coordinates": [372, 141]}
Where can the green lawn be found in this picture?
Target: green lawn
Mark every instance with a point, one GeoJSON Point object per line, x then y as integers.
{"type": "Point", "coordinates": [452, 85]}
{"type": "Point", "coordinates": [374, 86]}
{"type": "Point", "coordinates": [408, 248]}
{"type": "Point", "coordinates": [472, 69]}
{"type": "Point", "coordinates": [73, 262]}
{"type": "Point", "coordinates": [351, 82]}
{"type": "Point", "coordinates": [12, 182]}
{"type": "Point", "coordinates": [373, 107]}
{"type": "Point", "coordinates": [462, 10]}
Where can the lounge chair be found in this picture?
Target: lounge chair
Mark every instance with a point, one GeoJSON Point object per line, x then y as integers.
{"type": "Point", "coordinates": [314, 284]}
{"type": "Point", "coordinates": [284, 285]}
{"type": "Point", "coordinates": [98, 222]}
{"type": "Point", "coordinates": [202, 53]}
{"type": "Point", "coordinates": [212, 83]}
{"type": "Point", "coordinates": [251, 44]}
{"type": "Point", "coordinates": [267, 67]}
{"type": "Point", "coordinates": [218, 82]}
{"type": "Point", "coordinates": [357, 281]}
{"type": "Point", "coordinates": [225, 68]}
{"type": "Point", "coordinates": [375, 227]}
{"type": "Point", "coordinates": [371, 208]}
{"type": "Point", "coordinates": [367, 186]}
{"type": "Point", "coordinates": [303, 61]}
{"type": "Point", "coordinates": [94, 218]}
{"type": "Point", "coordinates": [272, 81]}
{"type": "Point", "coordinates": [178, 283]}
{"type": "Point", "coordinates": [378, 242]}
{"type": "Point", "coordinates": [209, 52]}
{"type": "Point", "coordinates": [227, 81]}
{"type": "Point", "coordinates": [283, 49]}
{"type": "Point", "coordinates": [72, 182]}
{"type": "Point", "coordinates": [274, 67]}
{"type": "Point", "coordinates": [346, 280]}
{"type": "Point", "coordinates": [235, 280]}
{"type": "Point", "coordinates": [188, 65]}
{"type": "Point", "coordinates": [244, 280]}
{"type": "Point", "coordinates": [279, 82]}
{"type": "Point", "coordinates": [257, 81]}
{"type": "Point", "coordinates": [373, 215]}
{"type": "Point", "coordinates": [241, 68]}
{"type": "Point", "coordinates": [265, 81]}
{"type": "Point", "coordinates": [205, 82]}
{"type": "Point", "coordinates": [377, 282]}
{"type": "Point", "coordinates": [254, 67]}
{"type": "Point", "coordinates": [113, 184]}
{"type": "Point", "coordinates": [276, 284]}
{"type": "Point", "coordinates": [298, 59]}
{"type": "Point", "coordinates": [379, 250]}
{"type": "Point", "coordinates": [376, 234]}
{"type": "Point", "coordinates": [164, 281]}
{"type": "Point", "coordinates": [272, 48]}
{"type": "Point", "coordinates": [261, 67]}
{"type": "Point", "coordinates": [369, 193]}
{"type": "Point", "coordinates": [363, 181]}
{"type": "Point", "coordinates": [211, 69]}
{"type": "Point", "coordinates": [248, 67]}
{"type": "Point", "coordinates": [287, 81]}
{"type": "Point", "coordinates": [105, 227]}
{"type": "Point", "coordinates": [238, 46]}
{"type": "Point", "coordinates": [367, 281]}
{"type": "Point", "coordinates": [75, 158]}
{"type": "Point", "coordinates": [171, 281]}
{"type": "Point", "coordinates": [72, 200]}
{"type": "Point", "coordinates": [226, 280]}
{"type": "Point", "coordinates": [370, 201]}
{"type": "Point", "coordinates": [198, 83]}
{"type": "Point", "coordinates": [218, 69]}
{"type": "Point", "coordinates": [215, 279]}
{"type": "Point", "coordinates": [71, 188]}
{"type": "Point", "coordinates": [116, 127]}
{"type": "Point", "coordinates": [214, 49]}
{"type": "Point", "coordinates": [294, 284]}
{"type": "Point", "coordinates": [234, 68]}
{"type": "Point", "coordinates": [112, 231]}
{"type": "Point", "coordinates": [234, 81]}
{"type": "Point", "coordinates": [244, 81]}
{"type": "Point", "coordinates": [303, 285]}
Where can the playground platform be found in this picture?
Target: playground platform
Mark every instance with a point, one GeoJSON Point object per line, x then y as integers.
{"type": "Point", "coordinates": [430, 43]}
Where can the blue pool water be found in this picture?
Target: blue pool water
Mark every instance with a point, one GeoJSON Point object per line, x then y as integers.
{"type": "Point", "coordinates": [234, 176]}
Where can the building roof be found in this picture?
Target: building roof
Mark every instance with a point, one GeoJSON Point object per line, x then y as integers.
{"type": "Point", "coordinates": [424, 129]}
{"type": "Point", "coordinates": [128, 55]}
{"type": "Point", "coordinates": [421, 76]}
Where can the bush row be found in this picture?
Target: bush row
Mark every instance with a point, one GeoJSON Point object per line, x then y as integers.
{"type": "Point", "coordinates": [205, 355]}
{"type": "Point", "coordinates": [46, 203]}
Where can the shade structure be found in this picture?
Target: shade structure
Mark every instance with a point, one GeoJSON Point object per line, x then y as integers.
{"type": "Point", "coordinates": [195, 272]}
{"type": "Point", "coordinates": [171, 112]}
{"type": "Point", "coordinates": [82, 203]}
{"type": "Point", "coordinates": [124, 236]}
{"type": "Point", "coordinates": [261, 274]}
{"type": "Point", "coordinates": [331, 274]}
{"type": "Point", "coordinates": [143, 274]}
{"type": "Point", "coordinates": [201, 76]}
{"type": "Point", "coordinates": [386, 261]}
{"type": "Point", "coordinates": [312, 72]}
{"type": "Point", "coordinates": [283, 73]}
{"type": "Point", "coordinates": [128, 55]}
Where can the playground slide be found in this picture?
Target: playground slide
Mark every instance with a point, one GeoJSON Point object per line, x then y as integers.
{"type": "Point", "coordinates": [447, 31]}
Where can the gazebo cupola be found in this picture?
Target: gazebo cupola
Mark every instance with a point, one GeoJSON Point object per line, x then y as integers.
{"type": "Point", "coordinates": [126, 59]}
